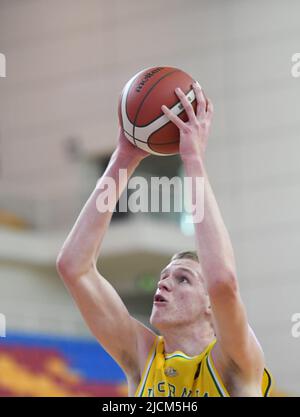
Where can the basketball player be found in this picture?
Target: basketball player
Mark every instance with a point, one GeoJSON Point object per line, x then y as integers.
{"type": "Point", "coordinates": [206, 346]}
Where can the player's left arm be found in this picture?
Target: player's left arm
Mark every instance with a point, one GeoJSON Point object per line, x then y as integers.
{"type": "Point", "coordinates": [235, 338]}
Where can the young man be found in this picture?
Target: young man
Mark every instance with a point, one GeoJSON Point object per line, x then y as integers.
{"type": "Point", "coordinates": [206, 347]}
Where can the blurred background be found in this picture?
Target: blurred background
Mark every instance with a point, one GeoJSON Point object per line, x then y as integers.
{"type": "Point", "coordinates": [67, 62]}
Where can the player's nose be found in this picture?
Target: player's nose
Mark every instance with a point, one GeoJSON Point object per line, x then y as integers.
{"type": "Point", "coordinates": [165, 284]}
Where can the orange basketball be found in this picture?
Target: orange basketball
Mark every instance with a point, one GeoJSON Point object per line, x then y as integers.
{"type": "Point", "coordinates": [144, 123]}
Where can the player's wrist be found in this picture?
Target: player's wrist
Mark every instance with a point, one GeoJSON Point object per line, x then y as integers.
{"type": "Point", "coordinates": [192, 158]}
{"type": "Point", "coordinates": [125, 159]}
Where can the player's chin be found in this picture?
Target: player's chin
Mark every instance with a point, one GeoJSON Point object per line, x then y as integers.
{"type": "Point", "coordinates": [155, 319]}
{"type": "Point", "coordinates": [158, 320]}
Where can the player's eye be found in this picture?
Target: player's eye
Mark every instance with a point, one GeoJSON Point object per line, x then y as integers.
{"type": "Point", "coordinates": [182, 278]}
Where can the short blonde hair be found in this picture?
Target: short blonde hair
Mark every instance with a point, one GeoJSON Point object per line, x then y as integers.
{"type": "Point", "coordinates": [188, 254]}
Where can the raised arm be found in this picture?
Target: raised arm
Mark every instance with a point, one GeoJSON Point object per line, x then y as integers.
{"type": "Point", "coordinates": [236, 341]}
{"type": "Point", "coordinates": [99, 303]}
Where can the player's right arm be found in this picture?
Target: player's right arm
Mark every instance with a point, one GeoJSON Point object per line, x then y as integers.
{"type": "Point", "coordinates": [99, 303]}
{"type": "Point", "coordinates": [237, 347]}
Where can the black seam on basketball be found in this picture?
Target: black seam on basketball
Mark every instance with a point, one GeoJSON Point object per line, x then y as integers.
{"type": "Point", "coordinates": [129, 134]}
{"type": "Point", "coordinates": [146, 95]}
{"type": "Point", "coordinates": [151, 146]}
{"type": "Point", "coordinates": [146, 143]}
{"type": "Point", "coordinates": [139, 140]}
{"type": "Point", "coordinates": [162, 144]}
{"type": "Point", "coordinates": [126, 108]}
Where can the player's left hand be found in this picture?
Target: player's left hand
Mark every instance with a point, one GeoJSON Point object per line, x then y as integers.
{"type": "Point", "coordinates": [127, 149]}
{"type": "Point", "coordinates": [194, 133]}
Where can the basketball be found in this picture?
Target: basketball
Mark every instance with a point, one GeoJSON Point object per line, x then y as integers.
{"type": "Point", "coordinates": [140, 115]}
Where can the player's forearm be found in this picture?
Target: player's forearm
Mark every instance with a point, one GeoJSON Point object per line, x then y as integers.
{"type": "Point", "coordinates": [213, 243]}
{"type": "Point", "coordinates": [80, 250]}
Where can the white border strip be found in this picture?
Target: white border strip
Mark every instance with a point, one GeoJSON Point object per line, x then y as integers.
{"type": "Point", "coordinates": [211, 368]}
{"type": "Point", "coordinates": [146, 374]}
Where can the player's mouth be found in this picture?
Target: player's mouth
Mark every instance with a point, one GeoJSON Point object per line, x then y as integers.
{"type": "Point", "coordinates": [159, 300]}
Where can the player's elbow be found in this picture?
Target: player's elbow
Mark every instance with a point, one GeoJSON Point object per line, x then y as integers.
{"type": "Point", "coordinates": [66, 268]}
{"type": "Point", "coordinates": [71, 267]}
{"type": "Point", "coordinates": [63, 266]}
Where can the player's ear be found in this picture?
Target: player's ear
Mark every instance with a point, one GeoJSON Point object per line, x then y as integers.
{"type": "Point", "coordinates": [208, 310]}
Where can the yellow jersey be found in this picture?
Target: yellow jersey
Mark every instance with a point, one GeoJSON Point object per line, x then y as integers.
{"type": "Point", "coordinates": [179, 375]}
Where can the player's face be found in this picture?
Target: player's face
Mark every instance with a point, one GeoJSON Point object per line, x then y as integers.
{"type": "Point", "coordinates": [181, 298]}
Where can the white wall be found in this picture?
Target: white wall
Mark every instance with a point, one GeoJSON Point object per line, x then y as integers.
{"type": "Point", "coordinates": [66, 64]}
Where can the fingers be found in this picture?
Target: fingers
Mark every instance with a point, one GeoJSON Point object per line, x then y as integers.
{"type": "Point", "coordinates": [210, 108]}
{"type": "Point", "coordinates": [201, 100]}
{"type": "Point", "coordinates": [204, 107]}
{"type": "Point", "coordinates": [175, 119]}
{"type": "Point", "coordinates": [186, 105]}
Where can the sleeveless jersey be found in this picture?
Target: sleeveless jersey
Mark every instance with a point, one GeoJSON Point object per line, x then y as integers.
{"type": "Point", "coordinates": [179, 375]}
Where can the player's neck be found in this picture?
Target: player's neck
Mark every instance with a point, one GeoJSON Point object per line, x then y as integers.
{"type": "Point", "coordinates": [191, 340]}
